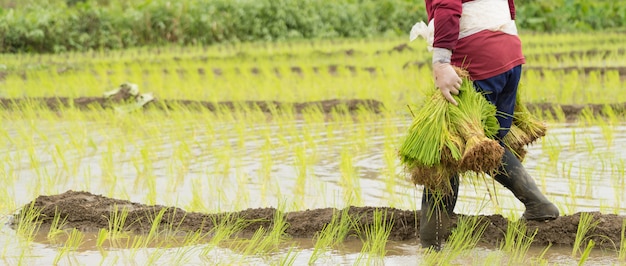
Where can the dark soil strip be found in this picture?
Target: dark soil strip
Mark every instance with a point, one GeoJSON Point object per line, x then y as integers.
{"type": "Point", "coordinates": [98, 103]}
{"type": "Point", "coordinates": [572, 112]}
{"type": "Point", "coordinates": [89, 213]}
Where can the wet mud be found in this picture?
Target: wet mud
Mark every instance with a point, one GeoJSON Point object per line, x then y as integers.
{"type": "Point", "coordinates": [90, 213]}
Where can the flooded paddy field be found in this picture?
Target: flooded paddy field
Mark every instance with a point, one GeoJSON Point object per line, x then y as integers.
{"type": "Point", "coordinates": [299, 167]}
{"type": "Point", "coordinates": [272, 184]}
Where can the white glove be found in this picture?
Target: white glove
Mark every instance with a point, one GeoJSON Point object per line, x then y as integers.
{"type": "Point", "coordinates": [446, 79]}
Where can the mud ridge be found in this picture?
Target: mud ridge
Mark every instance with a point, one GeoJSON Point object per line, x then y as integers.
{"type": "Point", "coordinates": [96, 103]}
{"type": "Point", "coordinates": [90, 213]}
{"type": "Point", "coordinates": [571, 111]}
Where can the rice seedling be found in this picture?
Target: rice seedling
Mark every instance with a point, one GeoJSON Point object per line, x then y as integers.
{"type": "Point", "coordinates": [585, 225]}
{"type": "Point", "coordinates": [56, 227]}
{"type": "Point", "coordinates": [223, 231]}
{"type": "Point", "coordinates": [289, 257]}
{"type": "Point", "coordinates": [517, 241]}
{"type": "Point", "coordinates": [73, 242]}
{"type": "Point", "coordinates": [349, 178]}
{"type": "Point", "coordinates": [332, 234]}
{"type": "Point", "coordinates": [559, 114]}
{"type": "Point", "coordinates": [540, 260]}
{"type": "Point", "coordinates": [463, 238]}
{"type": "Point", "coordinates": [585, 254]}
{"type": "Point", "coordinates": [376, 235]}
{"type": "Point", "coordinates": [590, 145]}
{"type": "Point", "coordinates": [116, 232]}
{"type": "Point", "coordinates": [28, 222]}
{"type": "Point", "coordinates": [552, 147]}
{"type": "Point", "coordinates": [186, 251]}
{"type": "Point", "coordinates": [154, 228]}
{"type": "Point", "coordinates": [103, 235]}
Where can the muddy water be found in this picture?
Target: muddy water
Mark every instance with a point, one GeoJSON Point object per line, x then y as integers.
{"type": "Point", "coordinates": [224, 166]}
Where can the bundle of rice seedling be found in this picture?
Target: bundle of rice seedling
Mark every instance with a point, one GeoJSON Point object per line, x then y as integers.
{"type": "Point", "coordinates": [516, 141]}
{"type": "Point", "coordinates": [481, 153]}
{"type": "Point", "coordinates": [444, 139]}
{"type": "Point", "coordinates": [525, 129]}
{"type": "Point", "coordinates": [525, 120]}
{"type": "Point", "coordinates": [428, 135]}
{"type": "Point", "coordinates": [430, 151]}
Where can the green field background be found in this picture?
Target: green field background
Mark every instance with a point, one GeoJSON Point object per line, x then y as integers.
{"type": "Point", "coordinates": [51, 26]}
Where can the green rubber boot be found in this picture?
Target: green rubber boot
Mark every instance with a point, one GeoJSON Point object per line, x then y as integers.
{"type": "Point", "coordinates": [513, 176]}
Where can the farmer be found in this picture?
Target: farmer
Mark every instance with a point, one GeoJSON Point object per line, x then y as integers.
{"type": "Point", "coordinates": [481, 37]}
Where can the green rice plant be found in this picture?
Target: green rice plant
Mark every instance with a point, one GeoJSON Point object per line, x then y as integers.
{"type": "Point", "coordinates": [607, 131]}
{"type": "Point", "coordinates": [73, 242]}
{"type": "Point", "coordinates": [224, 229]}
{"type": "Point", "coordinates": [585, 225]}
{"type": "Point", "coordinates": [103, 235]}
{"type": "Point", "coordinates": [279, 225]}
{"type": "Point", "coordinates": [116, 231]}
{"type": "Point", "coordinates": [585, 254]}
{"type": "Point", "coordinates": [56, 226]}
{"type": "Point", "coordinates": [572, 143]}
{"type": "Point", "coordinates": [173, 221]}
{"type": "Point", "coordinates": [559, 115]}
{"type": "Point", "coordinates": [155, 227]}
{"type": "Point", "coordinates": [611, 116]}
{"type": "Point", "coordinates": [377, 234]}
{"type": "Point", "coordinates": [185, 252]}
{"type": "Point", "coordinates": [374, 237]}
{"type": "Point", "coordinates": [28, 222]}
{"type": "Point", "coordinates": [349, 177]}
{"type": "Point", "coordinates": [587, 117]}
{"type": "Point", "coordinates": [591, 146]}
{"type": "Point", "coordinates": [552, 147]}
{"type": "Point", "coordinates": [540, 260]}
{"type": "Point", "coordinates": [517, 241]}
{"type": "Point", "coordinates": [463, 238]}
{"type": "Point", "coordinates": [155, 255]}
{"type": "Point", "coordinates": [302, 167]}
{"type": "Point", "coordinates": [332, 234]}
{"type": "Point", "coordinates": [589, 182]}
{"type": "Point", "coordinates": [288, 258]}
{"type": "Point", "coordinates": [265, 240]}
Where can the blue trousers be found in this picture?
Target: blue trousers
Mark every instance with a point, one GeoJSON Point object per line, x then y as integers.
{"type": "Point", "coordinates": [501, 91]}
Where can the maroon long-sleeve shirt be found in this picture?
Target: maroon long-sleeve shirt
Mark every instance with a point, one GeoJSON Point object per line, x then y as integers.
{"type": "Point", "coordinates": [486, 53]}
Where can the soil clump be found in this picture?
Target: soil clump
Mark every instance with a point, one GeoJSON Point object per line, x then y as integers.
{"type": "Point", "coordinates": [90, 213]}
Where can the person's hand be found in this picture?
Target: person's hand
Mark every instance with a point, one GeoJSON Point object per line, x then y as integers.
{"type": "Point", "coordinates": [447, 80]}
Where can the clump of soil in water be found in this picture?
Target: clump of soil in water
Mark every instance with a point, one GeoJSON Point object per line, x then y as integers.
{"type": "Point", "coordinates": [89, 213]}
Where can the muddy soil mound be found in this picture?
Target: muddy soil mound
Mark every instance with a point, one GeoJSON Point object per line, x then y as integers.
{"type": "Point", "coordinates": [90, 213]}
